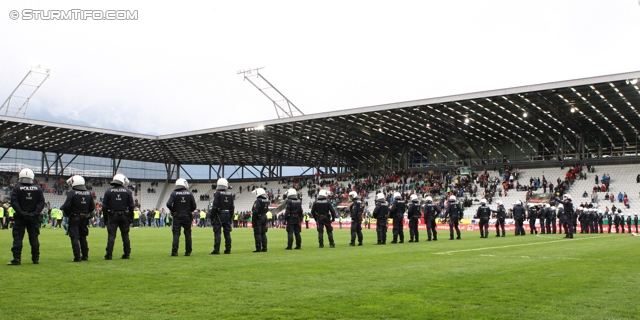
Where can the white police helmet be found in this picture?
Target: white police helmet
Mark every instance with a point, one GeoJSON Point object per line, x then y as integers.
{"type": "Point", "coordinates": [568, 196]}
{"type": "Point", "coordinates": [260, 193]}
{"type": "Point", "coordinates": [292, 194]}
{"type": "Point", "coordinates": [483, 201]}
{"type": "Point", "coordinates": [26, 176]}
{"type": "Point", "coordinates": [380, 197]}
{"type": "Point", "coordinates": [560, 205]}
{"type": "Point", "coordinates": [222, 184]}
{"type": "Point", "coordinates": [553, 207]}
{"type": "Point", "coordinates": [119, 179]}
{"type": "Point", "coordinates": [414, 198]}
{"type": "Point", "coordinates": [322, 194]}
{"type": "Point", "coordinates": [452, 198]}
{"type": "Point", "coordinates": [547, 205]}
{"type": "Point", "coordinates": [77, 182]}
{"type": "Point", "coordinates": [499, 202]}
{"type": "Point", "coordinates": [429, 199]}
{"type": "Point", "coordinates": [353, 195]}
{"type": "Point", "coordinates": [397, 195]}
{"type": "Point", "coordinates": [180, 183]}
{"type": "Point", "coordinates": [518, 203]}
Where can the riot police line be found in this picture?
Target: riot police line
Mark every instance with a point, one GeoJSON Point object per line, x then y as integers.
{"type": "Point", "coordinates": [27, 200]}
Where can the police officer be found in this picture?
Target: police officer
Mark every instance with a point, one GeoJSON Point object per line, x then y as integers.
{"type": "Point", "coordinates": [543, 218]}
{"type": "Point", "coordinates": [551, 222]}
{"type": "Point", "coordinates": [117, 204]}
{"type": "Point", "coordinates": [635, 222]}
{"type": "Point", "coordinates": [414, 216]}
{"type": "Point", "coordinates": [501, 215]}
{"type": "Point", "coordinates": [293, 217]}
{"type": "Point", "coordinates": [518, 216]}
{"type": "Point", "coordinates": [431, 210]}
{"type": "Point", "coordinates": [222, 210]}
{"type": "Point", "coordinates": [561, 217]}
{"type": "Point", "coordinates": [600, 221]}
{"type": "Point", "coordinates": [454, 212]}
{"type": "Point", "coordinates": [381, 214]}
{"type": "Point", "coordinates": [259, 220]}
{"type": "Point", "coordinates": [78, 208]}
{"type": "Point", "coordinates": [616, 221]}
{"type": "Point", "coordinates": [397, 213]}
{"type": "Point", "coordinates": [483, 214]}
{"type": "Point", "coordinates": [593, 217]}
{"type": "Point", "coordinates": [569, 215]}
{"type": "Point", "coordinates": [324, 214]}
{"type": "Point", "coordinates": [629, 223]}
{"type": "Point", "coordinates": [533, 215]}
{"type": "Point", "coordinates": [27, 201]}
{"type": "Point", "coordinates": [181, 205]}
{"type": "Point", "coordinates": [356, 210]}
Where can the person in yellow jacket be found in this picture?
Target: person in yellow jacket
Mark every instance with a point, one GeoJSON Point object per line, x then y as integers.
{"type": "Point", "coordinates": [270, 219]}
{"type": "Point", "coordinates": [203, 219]}
{"type": "Point", "coordinates": [235, 220]}
{"type": "Point", "coordinates": [306, 220]}
{"type": "Point", "coordinates": [156, 218]}
{"type": "Point", "coordinates": [10, 219]}
{"type": "Point", "coordinates": [56, 217]}
{"type": "Point", "coordinates": [136, 217]}
{"type": "Point", "coordinates": [2, 224]}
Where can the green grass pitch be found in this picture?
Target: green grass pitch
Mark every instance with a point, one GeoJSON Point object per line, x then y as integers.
{"type": "Point", "coordinates": [594, 276]}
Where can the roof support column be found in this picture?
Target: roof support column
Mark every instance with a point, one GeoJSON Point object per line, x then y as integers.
{"type": "Point", "coordinates": [116, 165]}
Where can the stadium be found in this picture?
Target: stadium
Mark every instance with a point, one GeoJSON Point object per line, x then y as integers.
{"type": "Point", "coordinates": [533, 132]}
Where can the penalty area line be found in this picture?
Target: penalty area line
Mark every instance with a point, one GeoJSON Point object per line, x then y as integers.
{"type": "Point", "coordinates": [515, 245]}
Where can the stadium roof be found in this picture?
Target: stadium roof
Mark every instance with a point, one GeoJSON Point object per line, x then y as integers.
{"type": "Point", "coordinates": [606, 109]}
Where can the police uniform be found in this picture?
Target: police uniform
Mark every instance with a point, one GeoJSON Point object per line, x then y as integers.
{"type": "Point", "coordinates": [181, 204]}
{"type": "Point", "coordinates": [583, 219]}
{"type": "Point", "coordinates": [501, 215]}
{"type": "Point", "coordinates": [551, 222]}
{"type": "Point", "coordinates": [518, 216]}
{"type": "Point", "coordinates": [356, 210]}
{"type": "Point", "coordinates": [547, 219]}
{"type": "Point", "coordinates": [117, 205]}
{"type": "Point", "coordinates": [78, 208]}
{"type": "Point", "coordinates": [569, 217]}
{"type": "Point", "coordinates": [542, 217]}
{"type": "Point", "coordinates": [293, 217]}
{"type": "Point", "coordinates": [27, 200]}
{"type": "Point", "coordinates": [381, 214]}
{"type": "Point", "coordinates": [616, 221]}
{"type": "Point", "coordinates": [629, 223]}
{"type": "Point", "coordinates": [635, 222]}
{"type": "Point", "coordinates": [431, 210]}
{"type": "Point", "coordinates": [483, 214]}
{"type": "Point", "coordinates": [533, 215]}
{"type": "Point", "coordinates": [414, 216]}
{"type": "Point", "coordinates": [600, 218]}
{"type": "Point", "coordinates": [397, 213]}
{"type": "Point", "coordinates": [324, 214]}
{"type": "Point", "coordinates": [561, 218]}
{"type": "Point", "coordinates": [222, 210]}
{"type": "Point", "coordinates": [454, 212]}
{"type": "Point", "coordinates": [259, 223]}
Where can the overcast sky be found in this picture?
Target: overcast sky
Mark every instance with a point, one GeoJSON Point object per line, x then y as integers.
{"type": "Point", "coordinates": [174, 68]}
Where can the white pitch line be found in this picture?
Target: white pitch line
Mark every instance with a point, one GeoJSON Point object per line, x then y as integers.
{"type": "Point", "coordinates": [516, 245]}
